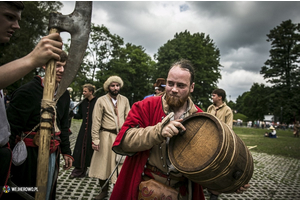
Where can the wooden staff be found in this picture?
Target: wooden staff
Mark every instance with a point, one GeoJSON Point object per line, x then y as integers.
{"type": "Point", "coordinates": [46, 128]}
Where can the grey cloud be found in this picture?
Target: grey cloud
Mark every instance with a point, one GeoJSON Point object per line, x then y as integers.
{"type": "Point", "coordinates": [248, 22]}
{"type": "Point", "coordinates": [238, 29]}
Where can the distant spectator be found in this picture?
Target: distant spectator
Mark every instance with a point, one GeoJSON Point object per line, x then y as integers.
{"type": "Point", "coordinates": [159, 87]}
{"type": "Point", "coordinates": [283, 126]}
{"type": "Point", "coordinates": [219, 107]}
{"type": "Point", "coordinates": [296, 129]}
{"type": "Point", "coordinates": [249, 124]}
{"type": "Point", "coordinates": [83, 151]}
{"type": "Point", "coordinates": [272, 134]}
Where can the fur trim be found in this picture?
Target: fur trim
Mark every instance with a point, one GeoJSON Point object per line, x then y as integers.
{"type": "Point", "coordinates": [112, 79]}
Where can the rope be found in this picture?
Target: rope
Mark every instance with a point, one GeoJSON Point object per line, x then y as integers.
{"type": "Point", "coordinates": [46, 104]}
{"type": "Point", "coordinates": [30, 131]}
{"type": "Point", "coordinates": [45, 107]}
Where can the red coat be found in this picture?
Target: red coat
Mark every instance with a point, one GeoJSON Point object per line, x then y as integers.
{"type": "Point", "coordinates": [144, 113]}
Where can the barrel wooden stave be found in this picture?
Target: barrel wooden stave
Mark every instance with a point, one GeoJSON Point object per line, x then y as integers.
{"type": "Point", "coordinates": [211, 154]}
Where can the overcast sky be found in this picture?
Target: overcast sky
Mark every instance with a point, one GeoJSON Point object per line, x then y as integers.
{"type": "Point", "coordinates": [238, 29]}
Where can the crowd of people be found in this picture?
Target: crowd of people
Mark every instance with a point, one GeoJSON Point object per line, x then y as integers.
{"type": "Point", "coordinates": [112, 138]}
{"type": "Point", "coordinates": [267, 124]}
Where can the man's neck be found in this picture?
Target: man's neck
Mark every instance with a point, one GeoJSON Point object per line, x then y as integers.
{"type": "Point", "coordinates": [179, 111]}
{"type": "Point", "coordinates": [219, 103]}
{"type": "Point", "coordinates": [90, 97]}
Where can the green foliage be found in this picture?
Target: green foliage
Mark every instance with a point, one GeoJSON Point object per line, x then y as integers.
{"type": "Point", "coordinates": [284, 145]}
{"type": "Point", "coordinates": [34, 25]}
{"type": "Point", "coordinates": [204, 55]}
{"type": "Point", "coordinates": [282, 69]}
{"type": "Point", "coordinates": [232, 105]}
{"type": "Point", "coordinates": [103, 46]}
{"type": "Point", "coordinates": [258, 102]}
{"type": "Point", "coordinates": [136, 69]}
{"type": "Point", "coordinates": [240, 108]}
{"type": "Point", "coordinates": [107, 56]}
{"type": "Point", "coordinates": [282, 66]}
{"type": "Point", "coordinates": [237, 116]}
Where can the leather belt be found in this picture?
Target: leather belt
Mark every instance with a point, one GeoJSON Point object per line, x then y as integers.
{"type": "Point", "coordinates": [158, 172]}
{"type": "Point", "coordinates": [114, 131]}
{"type": "Point", "coordinates": [32, 134]}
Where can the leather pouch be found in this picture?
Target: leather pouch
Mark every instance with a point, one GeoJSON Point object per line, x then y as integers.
{"type": "Point", "coordinates": [19, 153]}
{"type": "Point", "coordinates": [154, 190]}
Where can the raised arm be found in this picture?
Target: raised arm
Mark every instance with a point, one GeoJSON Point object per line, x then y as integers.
{"type": "Point", "coordinates": [48, 48]}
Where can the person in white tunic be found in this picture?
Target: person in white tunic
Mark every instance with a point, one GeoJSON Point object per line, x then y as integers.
{"type": "Point", "coordinates": [109, 114]}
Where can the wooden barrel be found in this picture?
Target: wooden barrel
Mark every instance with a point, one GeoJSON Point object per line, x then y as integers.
{"type": "Point", "coordinates": [211, 154]}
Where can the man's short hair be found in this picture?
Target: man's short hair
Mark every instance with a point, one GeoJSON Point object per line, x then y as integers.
{"type": "Point", "coordinates": [18, 4]}
{"type": "Point", "coordinates": [220, 93]}
{"type": "Point", "coordinates": [90, 87]}
{"type": "Point", "coordinates": [187, 65]}
{"type": "Point", "coordinates": [63, 56]}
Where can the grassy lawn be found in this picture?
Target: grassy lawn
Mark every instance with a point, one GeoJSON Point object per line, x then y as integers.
{"type": "Point", "coordinates": [285, 144]}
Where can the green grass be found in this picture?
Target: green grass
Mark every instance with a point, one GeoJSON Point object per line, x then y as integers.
{"type": "Point", "coordinates": [284, 145]}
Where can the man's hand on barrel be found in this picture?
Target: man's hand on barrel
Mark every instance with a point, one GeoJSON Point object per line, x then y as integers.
{"type": "Point", "coordinates": [243, 189]}
{"type": "Point", "coordinates": [172, 128]}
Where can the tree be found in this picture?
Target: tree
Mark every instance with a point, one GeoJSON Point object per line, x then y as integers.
{"type": "Point", "coordinates": [282, 69]}
{"type": "Point", "coordinates": [107, 55]}
{"type": "Point", "coordinates": [240, 107]}
{"type": "Point", "coordinates": [135, 67]}
{"type": "Point", "coordinates": [102, 47]}
{"type": "Point", "coordinates": [34, 25]}
{"type": "Point", "coordinates": [204, 55]}
{"type": "Point", "coordinates": [258, 102]}
{"type": "Point", "coordinates": [232, 105]}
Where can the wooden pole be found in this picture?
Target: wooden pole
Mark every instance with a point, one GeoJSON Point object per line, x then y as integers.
{"type": "Point", "coordinates": [45, 130]}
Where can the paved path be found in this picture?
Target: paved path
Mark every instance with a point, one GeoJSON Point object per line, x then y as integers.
{"type": "Point", "coordinates": [274, 178]}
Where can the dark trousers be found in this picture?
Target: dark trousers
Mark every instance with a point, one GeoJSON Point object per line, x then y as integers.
{"type": "Point", "coordinates": [79, 172]}
{"type": "Point", "coordinates": [5, 163]}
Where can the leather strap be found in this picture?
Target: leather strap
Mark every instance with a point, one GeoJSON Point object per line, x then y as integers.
{"type": "Point", "coordinates": [158, 172]}
{"type": "Point", "coordinates": [114, 131]}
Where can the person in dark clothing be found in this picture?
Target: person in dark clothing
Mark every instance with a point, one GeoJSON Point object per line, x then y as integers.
{"type": "Point", "coordinates": [49, 47]}
{"type": "Point", "coordinates": [83, 151]}
{"type": "Point", "coordinates": [23, 114]}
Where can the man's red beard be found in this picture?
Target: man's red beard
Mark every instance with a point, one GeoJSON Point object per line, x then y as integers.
{"type": "Point", "coordinates": [176, 102]}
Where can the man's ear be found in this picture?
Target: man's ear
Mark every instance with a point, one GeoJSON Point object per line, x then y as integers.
{"type": "Point", "coordinates": [44, 67]}
{"type": "Point", "coordinates": [192, 87]}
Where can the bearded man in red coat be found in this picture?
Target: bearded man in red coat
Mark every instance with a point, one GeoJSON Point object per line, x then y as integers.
{"type": "Point", "coordinates": [145, 135]}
